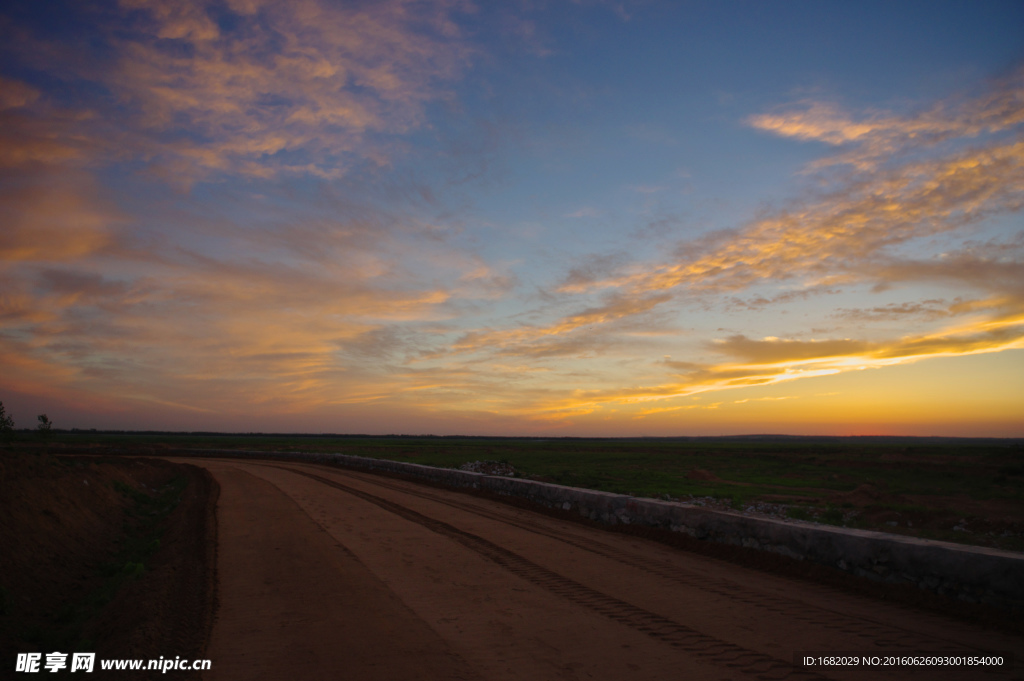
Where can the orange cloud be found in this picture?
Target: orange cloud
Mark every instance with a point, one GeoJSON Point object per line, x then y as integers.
{"type": "Point", "coordinates": [524, 340]}
{"type": "Point", "coordinates": [880, 134]}
{"type": "Point", "coordinates": [54, 216]}
{"type": "Point", "coordinates": [310, 87]}
{"type": "Point", "coordinates": [832, 240]}
{"type": "Point", "coordinates": [299, 87]}
{"type": "Point", "coordinates": [32, 134]}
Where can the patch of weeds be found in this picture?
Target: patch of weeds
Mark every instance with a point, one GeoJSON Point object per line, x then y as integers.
{"type": "Point", "coordinates": [131, 569]}
{"type": "Point", "coordinates": [1004, 474]}
{"type": "Point", "coordinates": [854, 521]}
{"type": "Point", "coordinates": [797, 513]}
{"type": "Point", "coordinates": [903, 508]}
{"type": "Point", "coordinates": [139, 497]}
{"type": "Point", "coordinates": [832, 516]}
{"type": "Point", "coordinates": [564, 477]}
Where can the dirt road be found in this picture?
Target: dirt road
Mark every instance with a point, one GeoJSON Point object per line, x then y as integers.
{"type": "Point", "coordinates": [332, 574]}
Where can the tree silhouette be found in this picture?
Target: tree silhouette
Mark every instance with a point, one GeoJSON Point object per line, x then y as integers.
{"type": "Point", "coordinates": [44, 425]}
{"type": "Point", "coordinates": [6, 422]}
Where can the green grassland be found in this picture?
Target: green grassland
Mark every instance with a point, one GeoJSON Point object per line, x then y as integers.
{"type": "Point", "coordinates": [928, 487]}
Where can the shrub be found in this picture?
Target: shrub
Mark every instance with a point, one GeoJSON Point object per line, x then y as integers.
{"type": "Point", "coordinates": [797, 513]}
{"type": "Point", "coordinates": [44, 425]}
{"type": "Point", "coordinates": [832, 516]}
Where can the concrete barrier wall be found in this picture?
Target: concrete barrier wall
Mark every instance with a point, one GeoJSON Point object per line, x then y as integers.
{"type": "Point", "coordinates": [970, 573]}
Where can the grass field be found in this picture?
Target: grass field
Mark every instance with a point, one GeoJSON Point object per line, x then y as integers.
{"type": "Point", "coordinates": [964, 490]}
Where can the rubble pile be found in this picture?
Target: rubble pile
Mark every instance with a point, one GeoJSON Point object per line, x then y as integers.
{"type": "Point", "coordinates": [489, 468]}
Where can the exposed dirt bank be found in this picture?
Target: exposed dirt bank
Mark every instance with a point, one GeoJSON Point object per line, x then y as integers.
{"type": "Point", "coordinates": [108, 555]}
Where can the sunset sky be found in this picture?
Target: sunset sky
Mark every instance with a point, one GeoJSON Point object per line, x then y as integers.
{"type": "Point", "coordinates": [513, 218]}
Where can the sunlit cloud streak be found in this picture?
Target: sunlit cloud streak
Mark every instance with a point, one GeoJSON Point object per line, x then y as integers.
{"type": "Point", "coordinates": [869, 139]}
{"type": "Point", "coordinates": [771, 361]}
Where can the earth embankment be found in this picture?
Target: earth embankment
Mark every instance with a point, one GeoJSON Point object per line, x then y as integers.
{"type": "Point", "coordinates": [112, 555]}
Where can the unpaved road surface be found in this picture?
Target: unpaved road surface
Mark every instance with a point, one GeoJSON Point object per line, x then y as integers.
{"type": "Point", "coordinates": [332, 574]}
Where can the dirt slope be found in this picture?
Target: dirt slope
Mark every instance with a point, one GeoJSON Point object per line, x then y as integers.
{"type": "Point", "coordinates": [108, 555]}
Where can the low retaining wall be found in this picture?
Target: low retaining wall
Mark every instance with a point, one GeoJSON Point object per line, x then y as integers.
{"type": "Point", "coordinates": [970, 573]}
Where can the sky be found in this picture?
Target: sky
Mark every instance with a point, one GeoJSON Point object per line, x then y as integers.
{"type": "Point", "coordinates": [534, 217]}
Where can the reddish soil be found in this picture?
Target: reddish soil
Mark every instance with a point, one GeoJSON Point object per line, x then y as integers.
{"type": "Point", "coordinates": [701, 474]}
{"type": "Point", "coordinates": [296, 603]}
{"type": "Point", "coordinates": [326, 573]}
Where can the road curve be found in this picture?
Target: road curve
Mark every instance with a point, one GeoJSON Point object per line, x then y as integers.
{"type": "Point", "coordinates": [332, 574]}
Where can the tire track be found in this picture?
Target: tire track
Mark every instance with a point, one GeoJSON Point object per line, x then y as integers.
{"type": "Point", "coordinates": [883, 635]}
{"type": "Point", "coordinates": [702, 646]}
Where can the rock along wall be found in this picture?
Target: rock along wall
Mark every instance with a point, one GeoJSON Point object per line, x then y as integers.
{"type": "Point", "coordinates": [971, 573]}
